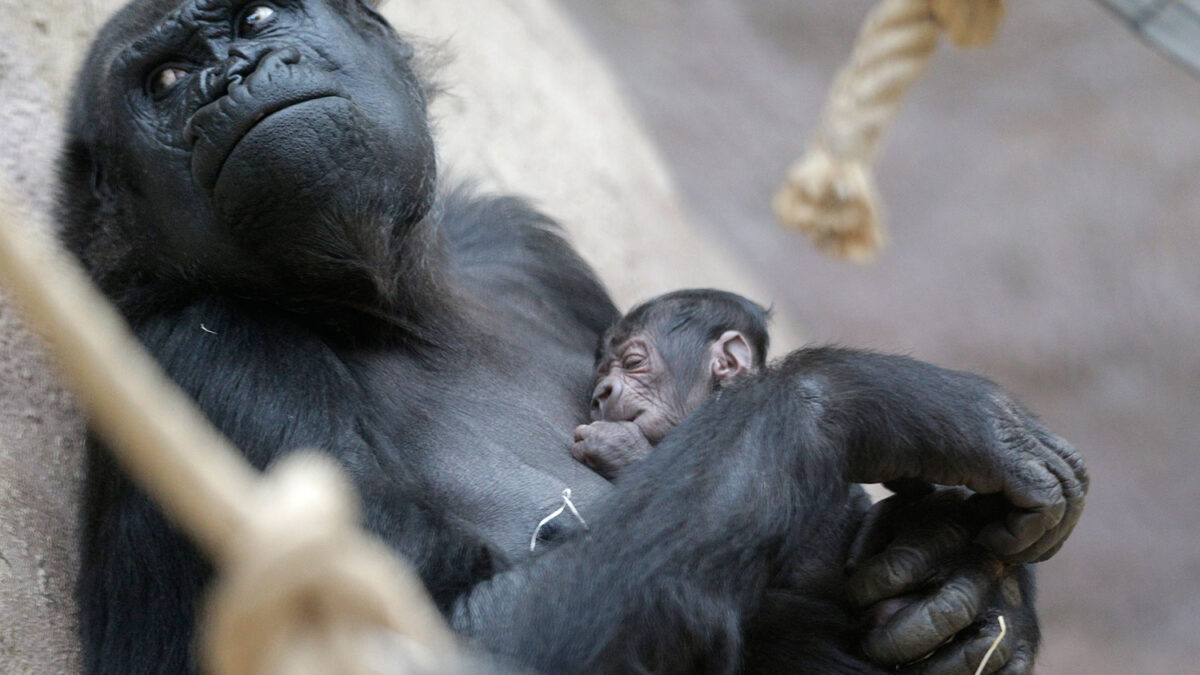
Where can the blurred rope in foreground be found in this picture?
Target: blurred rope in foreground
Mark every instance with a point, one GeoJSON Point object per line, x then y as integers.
{"type": "Point", "coordinates": [300, 589]}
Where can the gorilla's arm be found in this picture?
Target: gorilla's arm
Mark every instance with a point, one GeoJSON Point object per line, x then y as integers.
{"type": "Point", "coordinates": [902, 420]}
{"type": "Point", "coordinates": [679, 556]}
{"type": "Point", "coordinates": [941, 561]}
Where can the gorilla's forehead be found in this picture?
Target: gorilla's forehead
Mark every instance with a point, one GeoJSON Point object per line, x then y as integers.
{"type": "Point", "coordinates": [144, 19]}
{"type": "Point", "coordinates": [164, 21]}
{"type": "Point", "coordinates": [141, 16]}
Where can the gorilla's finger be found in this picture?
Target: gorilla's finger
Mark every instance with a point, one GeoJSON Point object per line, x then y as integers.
{"type": "Point", "coordinates": [1074, 481]}
{"type": "Point", "coordinates": [1039, 492]}
{"type": "Point", "coordinates": [907, 562]}
{"type": "Point", "coordinates": [1021, 662]}
{"type": "Point", "coordinates": [1030, 484]}
{"type": "Point", "coordinates": [1050, 552]}
{"type": "Point", "coordinates": [875, 531]}
{"type": "Point", "coordinates": [966, 653]}
{"type": "Point", "coordinates": [889, 574]}
{"type": "Point", "coordinates": [582, 431]}
{"type": "Point", "coordinates": [581, 451]}
{"type": "Point", "coordinates": [919, 628]}
{"type": "Point", "coordinates": [1016, 533]}
{"type": "Point", "coordinates": [1063, 449]}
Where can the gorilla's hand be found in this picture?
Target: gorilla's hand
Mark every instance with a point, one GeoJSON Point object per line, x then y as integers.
{"type": "Point", "coordinates": [982, 439]}
{"type": "Point", "coordinates": [1048, 490]}
{"type": "Point", "coordinates": [609, 447]}
{"type": "Point", "coordinates": [934, 598]}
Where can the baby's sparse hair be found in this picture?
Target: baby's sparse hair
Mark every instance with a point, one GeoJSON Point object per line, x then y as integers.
{"type": "Point", "coordinates": [682, 323]}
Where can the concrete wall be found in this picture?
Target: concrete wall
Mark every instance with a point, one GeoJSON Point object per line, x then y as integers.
{"type": "Point", "coordinates": [40, 428]}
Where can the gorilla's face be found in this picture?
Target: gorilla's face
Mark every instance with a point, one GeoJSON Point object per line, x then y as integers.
{"type": "Point", "coordinates": [251, 140]}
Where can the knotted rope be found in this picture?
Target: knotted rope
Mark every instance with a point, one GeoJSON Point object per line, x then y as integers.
{"type": "Point", "coordinates": [830, 192]}
{"type": "Point", "coordinates": [305, 593]}
{"type": "Point", "coordinates": [301, 589]}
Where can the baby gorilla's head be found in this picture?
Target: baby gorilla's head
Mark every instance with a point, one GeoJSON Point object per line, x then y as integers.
{"type": "Point", "coordinates": [668, 354]}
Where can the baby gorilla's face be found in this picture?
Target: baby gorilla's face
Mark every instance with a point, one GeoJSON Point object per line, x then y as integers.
{"type": "Point", "coordinates": [635, 385]}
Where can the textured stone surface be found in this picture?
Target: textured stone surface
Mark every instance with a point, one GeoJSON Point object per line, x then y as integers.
{"type": "Point", "coordinates": [40, 428]}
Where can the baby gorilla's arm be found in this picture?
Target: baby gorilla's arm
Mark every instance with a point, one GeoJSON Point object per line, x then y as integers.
{"type": "Point", "coordinates": [609, 447]}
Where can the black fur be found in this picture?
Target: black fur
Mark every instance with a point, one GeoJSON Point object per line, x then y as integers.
{"type": "Point", "coordinates": [310, 291]}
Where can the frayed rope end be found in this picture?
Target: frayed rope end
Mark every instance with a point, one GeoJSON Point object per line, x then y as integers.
{"type": "Point", "coordinates": [835, 202]}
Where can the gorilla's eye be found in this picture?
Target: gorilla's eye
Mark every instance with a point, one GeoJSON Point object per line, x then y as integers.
{"type": "Point", "coordinates": [254, 18]}
{"type": "Point", "coordinates": [163, 79]}
{"type": "Point", "coordinates": [632, 361]}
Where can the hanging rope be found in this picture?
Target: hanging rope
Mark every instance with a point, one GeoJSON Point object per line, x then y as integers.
{"type": "Point", "coordinates": [830, 192]}
{"type": "Point", "coordinates": [300, 588]}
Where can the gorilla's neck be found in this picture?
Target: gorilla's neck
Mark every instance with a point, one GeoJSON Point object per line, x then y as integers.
{"type": "Point", "coordinates": [369, 279]}
{"type": "Point", "coordinates": [363, 278]}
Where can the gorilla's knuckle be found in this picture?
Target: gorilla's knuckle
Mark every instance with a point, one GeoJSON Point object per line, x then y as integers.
{"type": "Point", "coordinates": [887, 648]}
{"type": "Point", "coordinates": [958, 603]}
{"type": "Point", "coordinates": [1020, 663]}
{"type": "Point", "coordinates": [899, 565]}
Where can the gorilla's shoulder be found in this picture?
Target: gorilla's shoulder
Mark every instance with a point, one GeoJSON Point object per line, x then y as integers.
{"type": "Point", "coordinates": [502, 242]}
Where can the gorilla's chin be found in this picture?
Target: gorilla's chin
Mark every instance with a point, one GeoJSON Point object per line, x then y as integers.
{"type": "Point", "coordinates": [216, 135]}
{"type": "Point", "coordinates": [294, 165]}
{"type": "Point", "coordinates": [283, 161]}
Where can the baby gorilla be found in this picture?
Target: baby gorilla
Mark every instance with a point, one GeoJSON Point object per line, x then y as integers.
{"type": "Point", "coordinates": [658, 363]}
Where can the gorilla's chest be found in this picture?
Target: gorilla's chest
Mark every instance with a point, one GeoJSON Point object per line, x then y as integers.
{"type": "Point", "coordinates": [490, 444]}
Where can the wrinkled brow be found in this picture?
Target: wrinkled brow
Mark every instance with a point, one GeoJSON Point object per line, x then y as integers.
{"type": "Point", "coordinates": [186, 30]}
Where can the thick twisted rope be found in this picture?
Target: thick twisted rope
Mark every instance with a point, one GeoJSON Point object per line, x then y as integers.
{"type": "Point", "coordinates": [830, 192]}
{"type": "Point", "coordinates": [305, 593]}
{"type": "Point", "coordinates": [301, 589]}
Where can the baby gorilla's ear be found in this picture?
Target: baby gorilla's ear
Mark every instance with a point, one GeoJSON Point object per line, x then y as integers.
{"type": "Point", "coordinates": [730, 357]}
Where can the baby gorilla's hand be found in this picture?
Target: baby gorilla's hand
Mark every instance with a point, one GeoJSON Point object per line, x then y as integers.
{"type": "Point", "coordinates": [609, 447]}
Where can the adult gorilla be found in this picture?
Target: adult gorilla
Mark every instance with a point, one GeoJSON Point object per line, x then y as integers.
{"type": "Point", "coordinates": [254, 185]}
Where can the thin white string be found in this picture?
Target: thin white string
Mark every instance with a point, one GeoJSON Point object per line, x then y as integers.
{"type": "Point", "coordinates": [567, 504]}
{"type": "Point", "coordinates": [988, 656]}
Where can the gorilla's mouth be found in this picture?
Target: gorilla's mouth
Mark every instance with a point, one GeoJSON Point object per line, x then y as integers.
{"type": "Point", "coordinates": [624, 415]}
{"type": "Point", "coordinates": [217, 130]}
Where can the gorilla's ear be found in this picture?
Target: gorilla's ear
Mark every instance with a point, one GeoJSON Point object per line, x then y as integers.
{"type": "Point", "coordinates": [730, 356]}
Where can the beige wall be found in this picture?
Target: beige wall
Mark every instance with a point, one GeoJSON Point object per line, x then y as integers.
{"type": "Point", "coordinates": [40, 429]}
